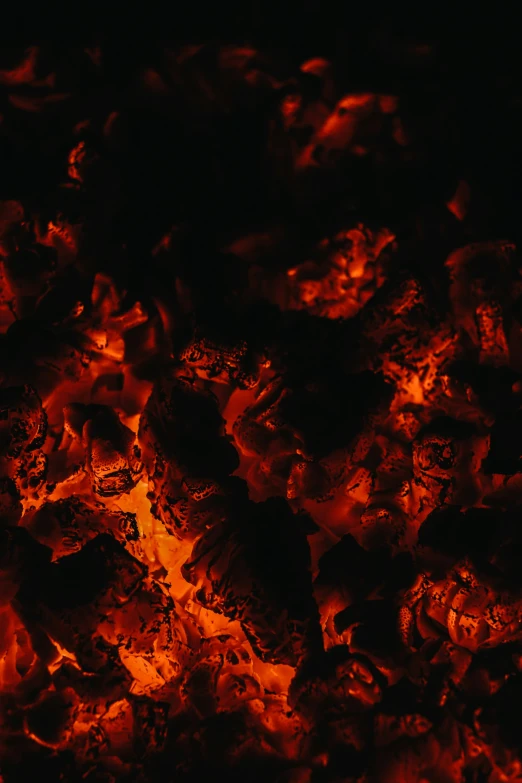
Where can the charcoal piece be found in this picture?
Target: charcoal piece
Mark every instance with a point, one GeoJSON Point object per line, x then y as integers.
{"type": "Point", "coordinates": [337, 683]}
{"type": "Point", "coordinates": [493, 386]}
{"type": "Point", "coordinates": [348, 565]}
{"type": "Point", "coordinates": [66, 524]}
{"type": "Point", "coordinates": [442, 461]}
{"type": "Point", "coordinates": [28, 268]}
{"type": "Point", "coordinates": [49, 356]}
{"type": "Point", "coordinates": [221, 677]}
{"type": "Point", "coordinates": [373, 628]}
{"type": "Point", "coordinates": [317, 409]}
{"type": "Point", "coordinates": [10, 505]}
{"type": "Point", "coordinates": [11, 214]}
{"type": "Point", "coordinates": [204, 503]}
{"type": "Point", "coordinates": [21, 558]}
{"type": "Point", "coordinates": [405, 334]}
{"type": "Point", "coordinates": [304, 432]}
{"type": "Point", "coordinates": [186, 455]}
{"type": "Point", "coordinates": [51, 719]}
{"type": "Point", "coordinates": [101, 565]}
{"type": "Point", "coordinates": [150, 725]}
{"type": "Point", "coordinates": [149, 625]}
{"type": "Point", "coordinates": [503, 456]}
{"type": "Point", "coordinates": [501, 708]}
{"type": "Point", "coordinates": [24, 423]}
{"type": "Point", "coordinates": [255, 568]}
{"type": "Point", "coordinates": [481, 534]}
{"type": "Point", "coordinates": [475, 604]}
{"type": "Point", "coordinates": [106, 680]}
{"type": "Point", "coordinates": [482, 275]}
{"type": "Point", "coordinates": [222, 361]}
{"type": "Point", "coordinates": [344, 276]}
{"type": "Point", "coordinates": [113, 458]}
{"type": "Point", "coordinates": [182, 422]}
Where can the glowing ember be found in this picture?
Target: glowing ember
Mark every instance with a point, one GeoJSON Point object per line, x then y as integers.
{"type": "Point", "coordinates": [260, 478]}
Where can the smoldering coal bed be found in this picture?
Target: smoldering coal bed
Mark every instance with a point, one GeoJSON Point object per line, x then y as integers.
{"type": "Point", "coordinates": [260, 415]}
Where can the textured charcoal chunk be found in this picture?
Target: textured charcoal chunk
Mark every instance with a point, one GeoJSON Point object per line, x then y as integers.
{"type": "Point", "coordinates": [186, 455]}
{"type": "Point", "coordinates": [193, 241]}
{"type": "Point", "coordinates": [10, 505]}
{"type": "Point", "coordinates": [493, 386]}
{"type": "Point", "coordinates": [304, 433]}
{"type": "Point", "coordinates": [113, 458]}
{"type": "Point", "coordinates": [21, 559]}
{"type": "Point", "coordinates": [348, 565]}
{"type": "Point", "coordinates": [222, 361]}
{"type": "Point", "coordinates": [504, 454]}
{"type": "Point", "coordinates": [150, 725]}
{"type": "Point", "coordinates": [101, 565]}
{"type": "Point", "coordinates": [344, 276]}
{"type": "Point", "coordinates": [337, 683]}
{"type": "Point", "coordinates": [51, 719]}
{"type": "Point", "coordinates": [255, 568]}
{"type": "Point", "coordinates": [23, 427]}
{"type": "Point", "coordinates": [67, 524]}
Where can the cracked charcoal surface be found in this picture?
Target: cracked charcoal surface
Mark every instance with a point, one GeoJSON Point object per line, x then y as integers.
{"type": "Point", "coordinates": [261, 402]}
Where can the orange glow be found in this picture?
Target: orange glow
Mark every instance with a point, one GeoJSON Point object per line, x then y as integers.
{"type": "Point", "coordinates": [260, 490]}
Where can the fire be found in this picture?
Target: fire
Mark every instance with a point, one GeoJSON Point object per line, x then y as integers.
{"type": "Point", "coordinates": [260, 489]}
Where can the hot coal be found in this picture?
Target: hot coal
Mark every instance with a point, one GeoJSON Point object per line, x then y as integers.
{"type": "Point", "coordinates": [260, 407]}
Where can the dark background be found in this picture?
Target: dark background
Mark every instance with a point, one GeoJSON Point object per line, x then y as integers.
{"type": "Point", "coordinates": [472, 65]}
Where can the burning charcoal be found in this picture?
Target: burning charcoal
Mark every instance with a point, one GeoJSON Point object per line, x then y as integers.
{"type": "Point", "coordinates": [349, 269]}
{"type": "Point", "coordinates": [347, 573]}
{"type": "Point", "coordinates": [306, 104]}
{"type": "Point", "coordinates": [11, 215]}
{"type": "Point", "coordinates": [485, 536]}
{"type": "Point", "coordinates": [23, 430]}
{"type": "Point", "coordinates": [20, 556]}
{"type": "Point", "coordinates": [336, 699]}
{"type": "Point", "coordinates": [268, 337]}
{"type": "Point", "coordinates": [406, 338]}
{"type": "Point", "coordinates": [370, 625]}
{"type": "Point", "coordinates": [276, 608]}
{"type": "Point", "coordinates": [291, 427]}
{"type": "Point", "coordinates": [51, 720]}
{"type": "Point", "coordinates": [106, 681]}
{"type": "Point", "coordinates": [27, 266]}
{"type": "Point", "coordinates": [49, 356]}
{"type": "Point", "coordinates": [444, 464]}
{"type": "Point", "coordinates": [185, 453]}
{"type": "Point", "coordinates": [390, 728]}
{"type": "Point", "coordinates": [338, 683]}
{"type": "Point", "coordinates": [353, 127]}
{"type": "Point", "coordinates": [422, 756]}
{"type": "Point", "coordinates": [66, 524]}
{"type": "Point", "coordinates": [388, 518]}
{"type": "Point", "coordinates": [150, 725]}
{"type": "Point", "coordinates": [202, 504]}
{"type": "Point", "coordinates": [151, 632]}
{"type": "Point", "coordinates": [475, 392]}
{"type": "Point", "coordinates": [10, 505]}
{"type": "Point", "coordinates": [482, 276]}
{"type": "Point", "coordinates": [222, 677]}
{"type": "Point", "coordinates": [90, 332]}
{"type": "Point", "coordinates": [113, 459]}
{"type": "Point", "coordinates": [503, 455]}
{"type": "Point", "coordinates": [476, 610]}
{"type": "Point", "coordinates": [221, 362]}
{"type": "Point", "coordinates": [77, 590]}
